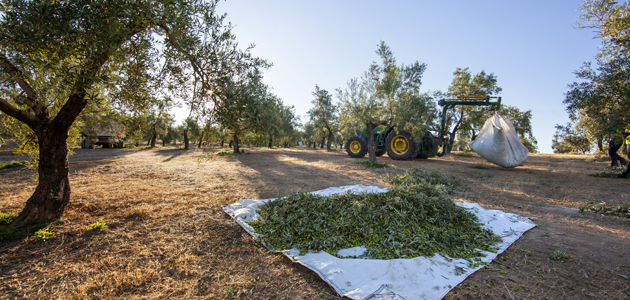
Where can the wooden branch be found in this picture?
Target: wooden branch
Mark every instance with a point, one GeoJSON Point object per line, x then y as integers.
{"type": "Point", "coordinates": [32, 98]}
{"type": "Point", "coordinates": [30, 120]}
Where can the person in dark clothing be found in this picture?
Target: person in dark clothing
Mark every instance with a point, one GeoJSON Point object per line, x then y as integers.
{"type": "Point", "coordinates": [614, 144]}
{"type": "Point", "coordinates": [626, 172]}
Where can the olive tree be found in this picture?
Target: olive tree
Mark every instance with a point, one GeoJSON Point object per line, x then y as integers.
{"type": "Point", "coordinates": [53, 55]}
{"type": "Point", "coordinates": [324, 113]}
{"type": "Point", "coordinates": [466, 117]}
{"type": "Point", "coordinates": [377, 99]}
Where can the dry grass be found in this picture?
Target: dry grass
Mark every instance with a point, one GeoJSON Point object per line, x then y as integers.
{"type": "Point", "coordinates": [167, 237]}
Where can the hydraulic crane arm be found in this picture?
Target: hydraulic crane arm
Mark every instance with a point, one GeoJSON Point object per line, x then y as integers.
{"type": "Point", "coordinates": [451, 103]}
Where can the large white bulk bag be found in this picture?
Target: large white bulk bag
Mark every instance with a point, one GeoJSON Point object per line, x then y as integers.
{"type": "Point", "coordinates": [498, 143]}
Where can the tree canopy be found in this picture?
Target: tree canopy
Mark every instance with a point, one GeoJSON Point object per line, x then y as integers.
{"type": "Point", "coordinates": [598, 102]}
{"type": "Point", "coordinates": [383, 95]}
{"type": "Point", "coordinates": [58, 57]}
{"type": "Point", "coordinates": [324, 114]}
{"type": "Point", "coordinates": [469, 118]}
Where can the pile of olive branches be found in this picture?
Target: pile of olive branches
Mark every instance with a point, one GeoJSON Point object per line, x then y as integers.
{"type": "Point", "coordinates": [415, 218]}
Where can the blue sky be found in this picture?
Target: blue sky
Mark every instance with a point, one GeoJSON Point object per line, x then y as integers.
{"type": "Point", "coordinates": [531, 46]}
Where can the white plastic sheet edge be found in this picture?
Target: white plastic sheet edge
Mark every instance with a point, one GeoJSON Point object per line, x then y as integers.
{"type": "Point", "coordinates": [373, 288]}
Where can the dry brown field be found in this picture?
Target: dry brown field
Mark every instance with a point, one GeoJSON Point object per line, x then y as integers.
{"type": "Point", "coordinates": [167, 237]}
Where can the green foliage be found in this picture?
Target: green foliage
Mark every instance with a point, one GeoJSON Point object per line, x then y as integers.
{"type": "Point", "coordinates": [466, 121]}
{"type": "Point", "coordinates": [569, 140]}
{"type": "Point", "coordinates": [324, 115]}
{"type": "Point", "coordinates": [277, 122]}
{"type": "Point", "coordinates": [6, 233]}
{"type": "Point", "coordinates": [224, 152]}
{"type": "Point", "coordinates": [62, 59]}
{"type": "Point", "coordinates": [386, 94]}
{"type": "Point", "coordinates": [369, 164]}
{"type": "Point", "coordinates": [599, 101]}
{"type": "Point", "coordinates": [420, 177]}
{"type": "Point", "coordinates": [98, 225]}
{"type": "Point", "coordinates": [414, 218]}
{"type": "Point", "coordinates": [464, 154]}
{"type": "Point", "coordinates": [6, 218]}
{"type": "Point", "coordinates": [13, 164]}
{"type": "Point", "coordinates": [559, 255]}
{"type": "Point", "coordinates": [44, 234]}
{"type": "Point", "coordinates": [609, 174]}
{"type": "Point", "coordinates": [605, 209]}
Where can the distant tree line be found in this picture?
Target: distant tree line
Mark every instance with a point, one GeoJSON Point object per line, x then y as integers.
{"type": "Point", "coordinates": [388, 94]}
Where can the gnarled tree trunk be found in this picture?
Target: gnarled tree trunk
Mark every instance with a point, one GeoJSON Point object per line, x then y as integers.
{"type": "Point", "coordinates": [52, 193]}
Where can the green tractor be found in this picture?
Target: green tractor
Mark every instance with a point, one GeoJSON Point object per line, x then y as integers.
{"type": "Point", "coordinates": [400, 145]}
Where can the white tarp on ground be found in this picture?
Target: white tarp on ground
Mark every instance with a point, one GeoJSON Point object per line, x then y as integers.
{"type": "Point", "coordinates": [498, 143]}
{"type": "Point", "coordinates": [416, 278]}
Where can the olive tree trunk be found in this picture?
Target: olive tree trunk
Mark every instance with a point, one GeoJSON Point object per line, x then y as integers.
{"type": "Point", "coordinates": [370, 142]}
{"type": "Point", "coordinates": [236, 149]}
{"type": "Point", "coordinates": [186, 141]}
{"type": "Point", "coordinates": [153, 139]}
{"type": "Point", "coordinates": [330, 137]}
{"type": "Point", "coordinates": [52, 193]}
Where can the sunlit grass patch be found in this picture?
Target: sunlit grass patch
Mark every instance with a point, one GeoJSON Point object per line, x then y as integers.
{"type": "Point", "coordinates": [44, 234]}
{"type": "Point", "coordinates": [98, 225]}
{"type": "Point", "coordinates": [13, 164]}
{"type": "Point", "coordinates": [464, 154]}
{"type": "Point", "coordinates": [6, 218]}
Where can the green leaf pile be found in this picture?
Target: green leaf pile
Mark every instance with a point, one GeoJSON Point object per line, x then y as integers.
{"type": "Point", "coordinates": [415, 218]}
{"type": "Point", "coordinates": [604, 209]}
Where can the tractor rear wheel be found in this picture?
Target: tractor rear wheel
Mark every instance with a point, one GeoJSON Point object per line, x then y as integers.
{"type": "Point", "coordinates": [400, 146]}
{"type": "Point", "coordinates": [356, 146]}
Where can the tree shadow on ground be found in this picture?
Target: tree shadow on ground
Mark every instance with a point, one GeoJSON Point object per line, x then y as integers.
{"type": "Point", "coordinates": [300, 172]}
{"type": "Point", "coordinates": [171, 153]}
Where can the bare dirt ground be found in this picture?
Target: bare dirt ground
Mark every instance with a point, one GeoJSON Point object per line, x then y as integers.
{"type": "Point", "coordinates": [167, 237]}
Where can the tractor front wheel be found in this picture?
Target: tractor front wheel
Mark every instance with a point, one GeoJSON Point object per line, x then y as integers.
{"type": "Point", "coordinates": [400, 146]}
{"type": "Point", "coordinates": [356, 146]}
